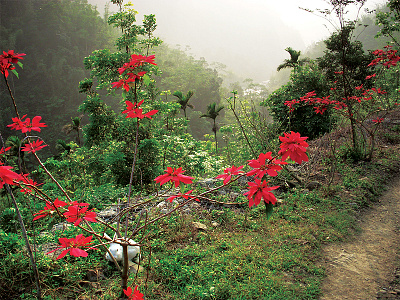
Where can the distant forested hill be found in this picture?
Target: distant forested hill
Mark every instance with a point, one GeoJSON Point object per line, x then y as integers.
{"type": "Point", "coordinates": [56, 36]}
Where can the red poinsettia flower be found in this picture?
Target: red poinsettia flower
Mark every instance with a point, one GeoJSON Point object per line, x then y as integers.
{"type": "Point", "coordinates": [28, 183]}
{"type": "Point", "coordinates": [228, 172]}
{"type": "Point", "coordinates": [370, 76]}
{"type": "Point", "coordinates": [73, 246]}
{"type": "Point", "coordinates": [10, 57]}
{"type": "Point", "coordinates": [75, 214]}
{"type": "Point", "coordinates": [293, 146]}
{"type": "Point", "coordinates": [2, 150]}
{"type": "Point", "coordinates": [174, 175]}
{"type": "Point", "coordinates": [124, 83]}
{"type": "Point", "coordinates": [33, 147]}
{"type": "Point", "coordinates": [27, 125]}
{"type": "Point", "coordinates": [8, 177]}
{"type": "Point", "coordinates": [18, 123]}
{"type": "Point", "coordinates": [35, 125]}
{"type": "Point", "coordinates": [137, 61]}
{"type": "Point", "coordinates": [137, 76]}
{"type": "Point", "coordinates": [133, 295]}
{"type": "Point", "coordinates": [378, 120]}
{"type": "Point", "coordinates": [320, 109]}
{"type": "Point", "coordinates": [185, 196]}
{"type": "Point", "coordinates": [49, 209]}
{"type": "Point", "coordinates": [5, 67]}
{"type": "Point", "coordinates": [133, 110]}
{"type": "Point", "coordinates": [258, 190]}
{"type": "Point", "coordinates": [291, 103]}
{"type": "Point", "coordinates": [265, 164]}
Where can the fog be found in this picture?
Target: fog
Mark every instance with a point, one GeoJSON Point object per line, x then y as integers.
{"type": "Point", "coordinates": [249, 37]}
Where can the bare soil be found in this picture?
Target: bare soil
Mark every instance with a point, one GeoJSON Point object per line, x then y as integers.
{"type": "Point", "coordinates": [367, 267]}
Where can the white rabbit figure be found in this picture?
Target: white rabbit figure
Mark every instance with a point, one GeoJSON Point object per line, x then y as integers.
{"type": "Point", "coordinates": [117, 251]}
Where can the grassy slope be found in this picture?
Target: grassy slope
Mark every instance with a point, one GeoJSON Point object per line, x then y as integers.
{"type": "Point", "coordinates": [246, 257]}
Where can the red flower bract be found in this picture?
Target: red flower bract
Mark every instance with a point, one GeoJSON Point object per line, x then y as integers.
{"type": "Point", "coordinates": [258, 190]}
{"type": "Point", "coordinates": [2, 150]}
{"type": "Point", "coordinates": [228, 172]}
{"type": "Point", "coordinates": [8, 177]}
{"type": "Point", "coordinates": [49, 209]}
{"type": "Point", "coordinates": [265, 164]}
{"type": "Point", "coordinates": [10, 57]}
{"type": "Point", "coordinates": [185, 196]}
{"type": "Point", "coordinates": [26, 184]}
{"type": "Point", "coordinates": [133, 110]}
{"type": "Point", "coordinates": [5, 67]}
{"type": "Point", "coordinates": [293, 146]}
{"type": "Point", "coordinates": [174, 175]}
{"type": "Point", "coordinates": [74, 245]}
{"type": "Point", "coordinates": [122, 83]}
{"type": "Point", "coordinates": [378, 120]}
{"type": "Point", "coordinates": [75, 214]}
{"type": "Point", "coordinates": [133, 295]}
{"type": "Point", "coordinates": [27, 125]}
{"type": "Point", "coordinates": [33, 147]}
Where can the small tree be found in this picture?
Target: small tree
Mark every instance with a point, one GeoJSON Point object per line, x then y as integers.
{"type": "Point", "coordinates": [183, 100]}
{"type": "Point", "coordinates": [75, 125]}
{"type": "Point", "coordinates": [213, 112]}
{"type": "Point", "coordinates": [294, 60]}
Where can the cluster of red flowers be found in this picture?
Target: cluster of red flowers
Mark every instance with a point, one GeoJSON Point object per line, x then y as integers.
{"type": "Point", "coordinates": [27, 125]}
{"type": "Point", "coordinates": [74, 246]}
{"type": "Point", "coordinates": [293, 146]}
{"type": "Point", "coordinates": [387, 57]}
{"type": "Point", "coordinates": [321, 104]}
{"type": "Point", "coordinates": [7, 61]}
{"type": "Point", "coordinates": [133, 110]}
{"type": "Point", "coordinates": [175, 176]}
{"type": "Point", "coordinates": [33, 147]}
{"type": "Point", "coordinates": [75, 213]}
{"type": "Point", "coordinates": [129, 69]}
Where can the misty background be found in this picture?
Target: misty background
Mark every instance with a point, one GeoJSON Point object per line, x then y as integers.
{"type": "Point", "coordinates": [249, 37]}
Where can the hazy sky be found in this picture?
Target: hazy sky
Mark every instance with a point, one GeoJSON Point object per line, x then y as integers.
{"type": "Point", "coordinates": [248, 36]}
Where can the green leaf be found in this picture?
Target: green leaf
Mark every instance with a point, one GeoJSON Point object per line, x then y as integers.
{"type": "Point", "coordinates": [268, 209]}
{"type": "Point", "coordinates": [20, 64]}
{"type": "Point", "coordinates": [15, 73]}
{"type": "Point", "coordinates": [146, 79]}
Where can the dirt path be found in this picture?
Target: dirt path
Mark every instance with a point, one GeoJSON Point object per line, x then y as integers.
{"type": "Point", "coordinates": [364, 267]}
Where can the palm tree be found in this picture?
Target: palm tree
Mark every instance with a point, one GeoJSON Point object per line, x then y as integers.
{"type": "Point", "coordinates": [294, 60]}
{"type": "Point", "coordinates": [74, 126]}
{"type": "Point", "coordinates": [212, 113]}
{"type": "Point", "coordinates": [183, 100]}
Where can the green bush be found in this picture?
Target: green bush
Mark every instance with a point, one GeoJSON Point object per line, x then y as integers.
{"type": "Point", "coordinates": [303, 119]}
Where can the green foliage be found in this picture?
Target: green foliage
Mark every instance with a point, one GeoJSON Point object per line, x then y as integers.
{"type": "Point", "coordinates": [8, 220]}
{"type": "Point", "coordinates": [294, 60]}
{"type": "Point", "coordinates": [388, 21]}
{"type": "Point", "coordinates": [303, 79]}
{"type": "Point", "coordinates": [183, 100]}
{"type": "Point", "coordinates": [56, 36]}
{"type": "Point", "coordinates": [345, 55]}
{"type": "Point", "coordinates": [190, 154]}
{"type": "Point", "coordinates": [182, 72]}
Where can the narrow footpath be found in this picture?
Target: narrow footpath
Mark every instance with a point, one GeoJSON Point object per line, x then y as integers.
{"type": "Point", "coordinates": [367, 267]}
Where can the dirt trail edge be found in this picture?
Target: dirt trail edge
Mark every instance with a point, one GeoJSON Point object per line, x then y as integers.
{"type": "Point", "coordinates": [360, 268]}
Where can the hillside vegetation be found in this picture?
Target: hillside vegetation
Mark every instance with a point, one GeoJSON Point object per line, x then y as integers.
{"type": "Point", "coordinates": [229, 193]}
